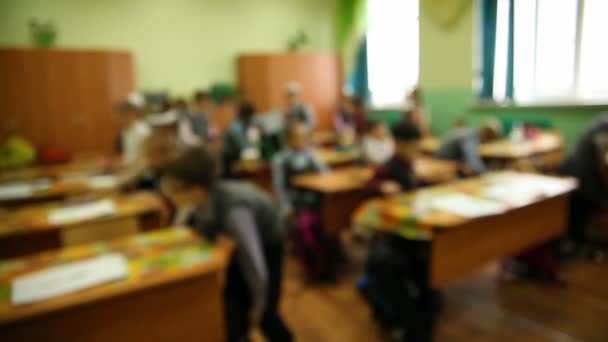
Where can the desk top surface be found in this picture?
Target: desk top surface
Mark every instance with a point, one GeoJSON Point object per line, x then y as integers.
{"type": "Point", "coordinates": [546, 141]}
{"type": "Point", "coordinates": [80, 166]}
{"type": "Point", "coordinates": [354, 177]}
{"type": "Point", "coordinates": [413, 214]}
{"type": "Point", "coordinates": [35, 217]}
{"type": "Point", "coordinates": [154, 258]}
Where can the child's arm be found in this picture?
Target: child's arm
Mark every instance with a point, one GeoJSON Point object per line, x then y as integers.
{"type": "Point", "coordinates": [470, 153]}
{"type": "Point", "coordinates": [250, 255]}
{"type": "Point", "coordinates": [278, 183]}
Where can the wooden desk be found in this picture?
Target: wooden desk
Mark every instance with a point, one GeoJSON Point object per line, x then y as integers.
{"type": "Point", "coordinates": [79, 166]}
{"type": "Point", "coordinates": [461, 245]}
{"type": "Point", "coordinates": [547, 148]}
{"type": "Point", "coordinates": [259, 172]}
{"type": "Point", "coordinates": [173, 293]}
{"type": "Point", "coordinates": [27, 230]}
{"type": "Point", "coordinates": [324, 138]}
{"type": "Point", "coordinates": [342, 188]}
{"type": "Point", "coordinates": [430, 144]}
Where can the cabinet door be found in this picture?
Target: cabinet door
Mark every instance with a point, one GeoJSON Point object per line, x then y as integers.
{"type": "Point", "coordinates": [23, 94]}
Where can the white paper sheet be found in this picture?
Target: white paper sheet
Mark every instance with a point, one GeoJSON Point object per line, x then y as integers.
{"type": "Point", "coordinates": [467, 206]}
{"type": "Point", "coordinates": [82, 212]}
{"type": "Point", "coordinates": [103, 182]}
{"type": "Point", "coordinates": [64, 279]}
{"type": "Point", "coordinates": [524, 190]}
{"type": "Point", "coordinates": [19, 190]}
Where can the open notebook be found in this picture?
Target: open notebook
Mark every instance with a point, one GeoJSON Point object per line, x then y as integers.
{"type": "Point", "coordinates": [467, 206]}
{"type": "Point", "coordinates": [64, 279]}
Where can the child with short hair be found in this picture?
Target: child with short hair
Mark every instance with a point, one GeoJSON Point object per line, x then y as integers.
{"type": "Point", "coordinates": [397, 174]}
{"type": "Point", "coordinates": [133, 132]}
{"type": "Point", "coordinates": [242, 139]}
{"type": "Point", "coordinates": [378, 145]}
{"type": "Point", "coordinates": [253, 284]}
{"type": "Point", "coordinates": [301, 207]}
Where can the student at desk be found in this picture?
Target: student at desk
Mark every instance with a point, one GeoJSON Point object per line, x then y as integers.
{"type": "Point", "coordinates": [133, 132]}
{"type": "Point", "coordinates": [377, 145]}
{"type": "Point", "coordinates": [253, 283]}
{"type": "Point", "coordinates": [397, 174]}
{"type": "Point", "coordinates": [462, 144]}
{"type": "Point", "coordinates": [297, 110]}
{"type": "Point", "coordinates": [242, 139]}
{"type": "Point", "coordinates": [588, 162]}
{"type": "Point", "coordinates": [301, 207]}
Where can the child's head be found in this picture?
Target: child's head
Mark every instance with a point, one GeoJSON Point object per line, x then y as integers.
{"type": "Point", "coordinates": [297, 136]}
{"type": "Point", "coordinates": [158, 150]}
{"type": "Point", "coordinates": [127, 114]}
{"type": "Point", "coordinates": [202, 100]}
{"type": "Point", "coordinates": [292, 93]}
{"type": "Point", "coordinates": [407, 139]}
{"type": "Point", "coordinates": [377, 129]}
{"type": "Point", "coordinates": [489, 131]}
{"type": "Point", "coordinates": [246, 112]}
{"type": "Point", "coordinates": [188, 179]}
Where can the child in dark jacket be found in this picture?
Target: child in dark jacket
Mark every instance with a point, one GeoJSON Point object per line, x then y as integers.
{"type": "Point", "coordinates": [301, 207]}
{"type": "Point", "coordinates": [397, 174]}
{"type": "Point", "coordinates": [249, 216]}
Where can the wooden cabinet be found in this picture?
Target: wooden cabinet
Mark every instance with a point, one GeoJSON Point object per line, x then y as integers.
{"type": "Point", "coordinates": [262, 80]}
{"type": "Point", "coordinates": [63, 98]}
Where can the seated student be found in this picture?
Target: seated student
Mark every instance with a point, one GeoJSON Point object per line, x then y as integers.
{"type": "Point", "coordinates": [397, 174]}
{"type": "Point", "coordinates": [378, 146]}
{"type": "Point", "coordinates": [301, 207]}
{"type": "Point", "coordinates": [157, 152]}
{"type": "Point", "coordinates": [351, 114]}
{"type": "Point", "coordinates": [297, 110]}
{"type": "Point", "coordinates": [242, 138]}
{"type": "Point", "coordinates": [588, 162]}
{"type": "Point", "coordinates": [253, 281]}
{"type": "Point", "coordinates": [462, 145]}
{"type": "Point", "coordinates": [133, 132]}
{"type": "Point", "coordinates": [347, 141]}
{"type": "Point", "coordinates": [415, 111]}
{"type": "Point", "coordinates": [202, 106]}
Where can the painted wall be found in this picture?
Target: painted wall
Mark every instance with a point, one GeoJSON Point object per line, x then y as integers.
{"type": "Point", "coordinates": [178, 45]}
{"type": "Point", "coordinates": [447, 73]}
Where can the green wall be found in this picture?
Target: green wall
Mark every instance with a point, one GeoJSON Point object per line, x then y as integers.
{"type": "Point", "coordinates": [178, 45]}
{"type": "Point", "coordinates": [448, 56]}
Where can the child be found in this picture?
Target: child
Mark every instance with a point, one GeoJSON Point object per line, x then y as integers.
{"type": "Point", "coordinates": [378, 145]}
{"type": "Point", "coordinates": [157, 152]}
{"type": "Point", "coordinates": [253, 283]}
{"type": "Point", "coordinates": [462, 145]}
{"type": "Point", "coordinates": [397, 174]}
{"type": "Point", "coordinates": [202, 106]}
{"type": "Point", "coordinates": [133, 132]}
{"type": "Point", "coordinates": [589, 164]}
{"type": "Point", "coordinates": [242, 139]}
{"type": "Point", "coordinates": [300, 206]}
{"type": "Point", "coordinates": [297, 110]}
{"type": "Point", "coordinates": [415, 111]}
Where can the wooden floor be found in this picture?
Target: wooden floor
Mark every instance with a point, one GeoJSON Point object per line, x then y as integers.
{"type": "Point", "coordinates": [482, 307]}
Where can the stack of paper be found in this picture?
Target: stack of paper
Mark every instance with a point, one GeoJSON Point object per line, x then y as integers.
{"type": "Point", "coordinates": [82, 212]}
{"type": "Point", "coordinates": [103, 182]}
{"type": "Point", "coordinates": [64, 279]}
{"type": "Point", "coordinates": [467, 206]}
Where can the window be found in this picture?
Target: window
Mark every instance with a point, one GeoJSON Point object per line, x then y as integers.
{"type": "Point", "coordinates": [392, 50]}
{"type": "Point", "coordinates": [558, 51]}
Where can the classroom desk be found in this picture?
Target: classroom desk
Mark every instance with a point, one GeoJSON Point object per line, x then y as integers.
{"type": "Point", "coordinates": [27, 230]}
{"type": "Point", "coordinates": [56, 171]}
{"type": "Point", "coordinates": [342, 188]}
{"type": "Point", "coordinates": [259, 172]}
{"type": "Point", "coordinates": [173, 293]}
{"type": "Point", "coordinates": [324, 138]}
{"type": "Point", "coordinates": [545, 151]}
{"type": "Point", "coordinates": [460, 245]}
{"type": "Point", "coordinates": [430, 144]}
